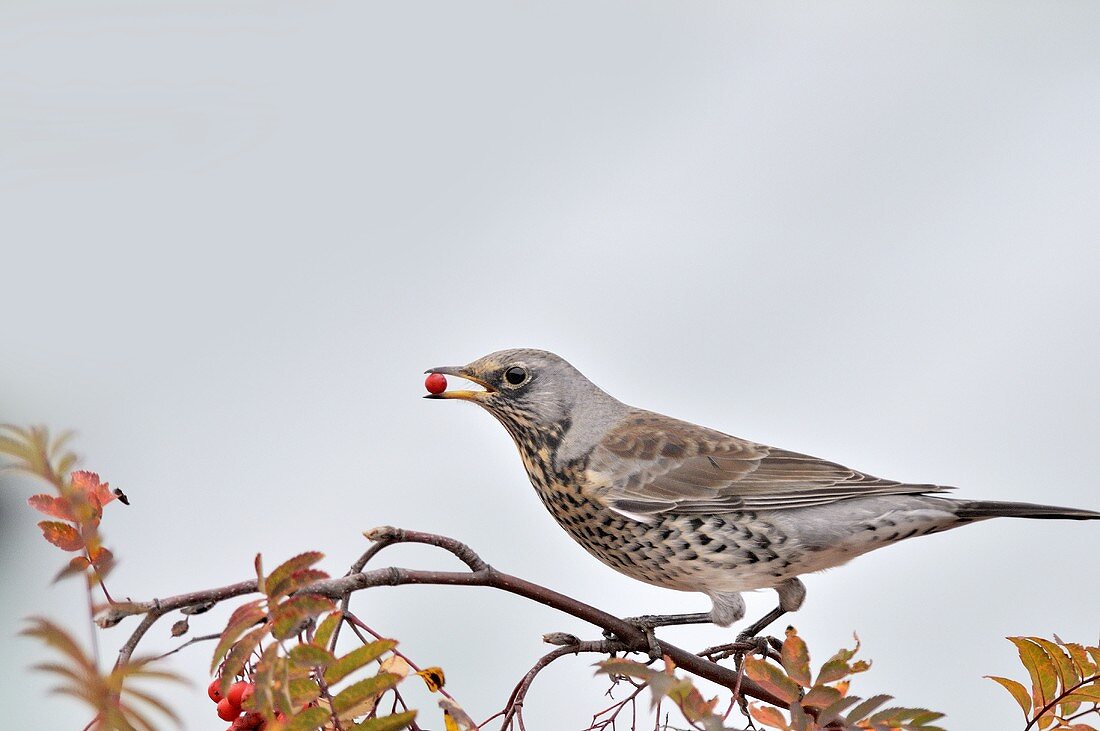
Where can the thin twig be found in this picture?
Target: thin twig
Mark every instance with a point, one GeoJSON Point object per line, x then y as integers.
{"type": "Point", "coordinates": [192, 641]}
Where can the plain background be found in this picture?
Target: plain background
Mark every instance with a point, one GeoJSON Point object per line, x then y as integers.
{"type": "Point", "coordinates": [234, 235]}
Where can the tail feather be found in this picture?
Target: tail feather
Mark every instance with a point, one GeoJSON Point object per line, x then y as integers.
{"type": "Point", "coordinates": [980, 509]}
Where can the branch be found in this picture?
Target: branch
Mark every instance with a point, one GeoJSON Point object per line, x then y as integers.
{"type": "Point", "coordinates": [632, 637]}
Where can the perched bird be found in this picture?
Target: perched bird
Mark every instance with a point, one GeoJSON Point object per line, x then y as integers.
{"type": "Point", "coordinates": [685, 507]}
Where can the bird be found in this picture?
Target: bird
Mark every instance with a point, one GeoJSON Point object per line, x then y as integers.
{"type": "Point", "coordinates": [690, 508]}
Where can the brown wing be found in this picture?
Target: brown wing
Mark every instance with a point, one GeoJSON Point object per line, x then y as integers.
{"type": "Point", "coordinates": [651, 464]}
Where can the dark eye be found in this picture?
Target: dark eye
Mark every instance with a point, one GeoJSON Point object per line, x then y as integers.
{"type": "Point", "coordinates": [515, 375]}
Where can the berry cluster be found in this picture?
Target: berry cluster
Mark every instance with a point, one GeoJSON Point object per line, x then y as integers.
{"type": "Point", "coordinates": [229, 705]}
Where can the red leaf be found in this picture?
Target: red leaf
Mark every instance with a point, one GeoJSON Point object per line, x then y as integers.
{"type": "Point", "coordinates": [52, 506]}
{"type": "Point", "coordinates": [89, 484]}
{"type": "Point", "coordinates": [62, 535]}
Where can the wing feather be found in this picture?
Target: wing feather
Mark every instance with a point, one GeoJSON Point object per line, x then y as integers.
{"type": "Point", "coordinates": [651, 464]}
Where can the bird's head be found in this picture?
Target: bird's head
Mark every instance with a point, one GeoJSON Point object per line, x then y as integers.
{"type": "Point", "coordinates": [523, 387]}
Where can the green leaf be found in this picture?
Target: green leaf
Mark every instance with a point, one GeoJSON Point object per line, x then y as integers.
{"type": "Point", "coordinates": [772, 679]}
{"type": "Point", "coordinates": [325, 630]}
{"type": "Point", "coordinates": [836, 667]}
{"type": "Point", "coordinates": [1018, 691]}
{"type": "Point", "coordinates": [310, 656]}
{"type": "Point", "coordinates": [308, 720]}
{"type": "Point", "coordinates": [396, 722]}
{"type": "Point", "coordinates": [356, 693]}
{"type": "Point", "coordinates": [302, 691]}
{"type": "Point", "coordinates": [289, 616]}
{"type": "Point", "coordinates": [356, 659]}
{"type": "Point", "coordinates": [1067, 671]}
{"type": "Point", "coordinates": [796, 658]}
{"type": "Point", "coordinates": [1044, 677]}
{"type": "Point", "coordinates": [278, 582]}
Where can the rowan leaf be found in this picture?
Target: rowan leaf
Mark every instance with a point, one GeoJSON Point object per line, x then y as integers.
{"type": "Point", "coordinates": [832, 713]}
{"type": "Point", "coordinates": [62, 535]}
{"type": "Point", "coordinates": [867, 707]}
{"type": "Point", "coordinates": [54, 507]}
{"type": "Point", "coordinates": [1017, 690]}
{"type": "Point", "coordinates": [288, 617]}
{"type": "Point", "coordinates": [1044, 676]}
{"type": "Point", "coordinates": [628, 668]}
{"type": "Point", "coordinates": [357, 693]}
{"type": "Point", "coordinates": [769, 716]}
{"type": "Point", "coordinates": [821, 696]}
{"type": "Point", "coordinates": [303, 691]}
{"type": "Point", "coordinates": [356, 659]}
{"type": "Point", "coordinates": [308, 720]}
{"type": "Point", "coordinates": [238, 655]}
{"type": "Point", "coordinates": [325, 630]}
{"type": "Point", "coordinates": [796, 658]}
{"type": "Point", "coordinates": [396, 722]}
{"type": "Point", "coordinates": [771, 679]}
{"type": "Point", "coordinates": [278, 582]}
{"type": "Point", "coordinates": [310, 656]}
{"type": "Point", "coordinates": [243, 618]}
{"type": "Point", "coordinates": [1081, 659]}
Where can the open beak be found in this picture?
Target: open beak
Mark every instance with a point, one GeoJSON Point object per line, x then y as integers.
{"type": "Point", "coordinates": [460, 372]}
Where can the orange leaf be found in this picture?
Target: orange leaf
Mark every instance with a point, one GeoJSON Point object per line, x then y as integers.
{"type": "Point", "coordinates": [52, 506]}
{"type": "Point", "coordinates": [89, 484]}
{"type": "Point", "coordinates": [62, 535]}
{"type": "Point", "coordinates": [772, 679]}
{"type": "Point", "coordinates": [796, 658]}
{"type": "Point", "coordinates": [769, 716]}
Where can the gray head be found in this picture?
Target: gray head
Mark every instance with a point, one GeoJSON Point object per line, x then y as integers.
{"type": "Point", "coordinates": [525, 389]}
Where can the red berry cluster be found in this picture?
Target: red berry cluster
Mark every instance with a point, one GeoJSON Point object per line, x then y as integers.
{"type": "Point", "coordinates": [229, 705]}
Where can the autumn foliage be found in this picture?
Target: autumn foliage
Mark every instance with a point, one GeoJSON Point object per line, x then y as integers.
{"type": "Point", "coordinates": [277, 667]}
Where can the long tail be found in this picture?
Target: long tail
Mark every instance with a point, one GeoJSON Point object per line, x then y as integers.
{"type": "Point", "coordinates": [981, 509]}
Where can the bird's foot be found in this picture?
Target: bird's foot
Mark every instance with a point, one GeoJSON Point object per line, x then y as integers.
{"type": "Point", "coordinates": [645, 623]}
{"type": "Point", "coordinates": [753, 644]}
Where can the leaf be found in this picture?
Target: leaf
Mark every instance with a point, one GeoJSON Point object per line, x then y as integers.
{"type": "Point", "coordinates": [397, 665]}
{"type": "Point", "coordinates": [836, 667]}
{"type": "Point", "coordinates": [62, 535]}
{"type": "Point", "coordinates": [796, 658]}
{"type": "Point", "coordinates": [1081, 659]}
{"type": "Point", "coordinates": [324, 632]}
{"type": "Point", "coordinates": [865, 708]}
{"type": "Point", "coordinates": [243, 617]}
{"type": "Point", "coordinates": [289, 616]}
{"type": "Point", "coordinates": [1067, 671]}
{"type": "Point", "coordinates": [454, 718]}
{"type": "Point", "coordinates": [771, 679]}
{"type": "Point", "coordinates": [238, 655]}
{"type": "Point", "coordinates": [310, 656]}
{"type": "Point", "coordinates": [433, 677]}
{"type": "Point", "coordinates": [396, 722]}
{"type": "Point", "coordinates": [1044, 677]}
{"type": "Point", "coordinates": [54, 507]}
{"type": "Point", "coordinates": [308, 720]}
{"type": "Point", "coordinates": [628, 668]}
{"type": "Point", "coordinates": [303, 691]}
{"type": "Point", "coordinates": [356, 693]}
{"type": "Point", "coordinates": [833, 712]}
{"type": "Point", "coordinates": [1018, 691]}
{"type": "Point", "coordinates": [278, 580]}
{"type": "Point", "coordinates": [821, 696]}
{"type": "Point", "coordinates": [356, 659]}
{"type": "Point", "coordinates": [769, 716]}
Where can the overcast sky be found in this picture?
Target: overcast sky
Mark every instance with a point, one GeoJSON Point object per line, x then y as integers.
{"type": "Point", "coordinates": [233, 236]}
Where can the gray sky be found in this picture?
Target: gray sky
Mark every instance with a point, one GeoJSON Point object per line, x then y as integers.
{"type": "Point", "coordinates": [235, 234]}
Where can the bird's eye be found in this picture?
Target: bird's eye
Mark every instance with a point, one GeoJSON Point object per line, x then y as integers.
{"type": "Point", "coordinates": [515, 375]}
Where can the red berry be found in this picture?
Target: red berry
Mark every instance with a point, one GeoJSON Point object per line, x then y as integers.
{"type": "Point", "coordinates": [214, 690]}
{"type": "Point", "coordinates": [435, 383]}
{"type": "Point", "coordinates": [236, 692]}
{"type": "Point", "coordinates": [228, 711]}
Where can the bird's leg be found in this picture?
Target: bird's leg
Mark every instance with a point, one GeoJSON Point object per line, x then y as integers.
{"type": "Point", "coordinates": [667, 620]}
{"type": "Point", "coordinates": [792, 593]}
{"type": "Point", "coordinates": [647, 622]}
